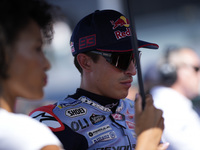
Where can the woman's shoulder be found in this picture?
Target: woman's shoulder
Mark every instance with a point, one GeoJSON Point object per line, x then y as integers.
{"type": "Point", "coordinates": [20, 127]}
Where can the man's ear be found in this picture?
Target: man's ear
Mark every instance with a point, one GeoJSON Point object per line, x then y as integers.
{"type": "Point", "coordinates": [84, 61]}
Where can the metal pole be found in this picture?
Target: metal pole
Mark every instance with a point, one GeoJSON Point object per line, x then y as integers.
{"type": "Point", "coordinates": [136, 53]}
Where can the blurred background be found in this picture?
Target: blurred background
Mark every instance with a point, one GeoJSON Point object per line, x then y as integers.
{"type": "Point", "coordinates": [167, 23]}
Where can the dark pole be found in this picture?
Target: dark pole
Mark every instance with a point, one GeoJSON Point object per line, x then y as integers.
{"type": "Point", "coordinates": [136, 53]}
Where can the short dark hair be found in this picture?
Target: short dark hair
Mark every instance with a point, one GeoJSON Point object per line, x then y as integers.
{"type": "Point", "coordinates": [17, 14]}
{"type": "Point", "coordinates": [94, 57]}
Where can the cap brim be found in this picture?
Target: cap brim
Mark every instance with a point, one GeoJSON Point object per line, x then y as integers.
{"type": "Point", "coordinates": [143, 44]}
{"type": "Point", "coordinates": [125, 46]}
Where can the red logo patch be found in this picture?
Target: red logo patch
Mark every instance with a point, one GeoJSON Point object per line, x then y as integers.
{"type": "Point", "coordinates": [118, 117]}
{"type": "Point", "coordinates": [130, 125]}
{"type": "Point", "coordinates": [87, 41]}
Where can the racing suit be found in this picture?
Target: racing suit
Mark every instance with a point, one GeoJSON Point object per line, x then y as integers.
{"type": "Point", "coordinates": [81, 122]}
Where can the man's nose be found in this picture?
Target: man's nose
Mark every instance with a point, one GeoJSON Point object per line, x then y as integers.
{"type": "Point", "coordinates": [131, 70]}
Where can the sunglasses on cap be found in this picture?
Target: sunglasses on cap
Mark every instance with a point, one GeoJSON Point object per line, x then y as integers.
{"type": "Point", "coordinates": [119, 60]}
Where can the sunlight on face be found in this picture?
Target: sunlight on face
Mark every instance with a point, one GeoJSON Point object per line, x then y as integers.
{"type": "Point", "coordinates": [109, 81]}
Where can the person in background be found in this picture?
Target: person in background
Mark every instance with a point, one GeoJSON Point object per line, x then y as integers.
{"type": "Point", "coordinates": [179, 79]}
{"type": "Point", "coordinates": [98, 116]}
{"type": "Point", "coordinates": [24, 26]}
{"type": "Point", "coordinates": [149, 126]}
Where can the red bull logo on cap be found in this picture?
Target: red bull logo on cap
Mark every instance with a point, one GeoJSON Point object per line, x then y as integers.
{"type": "Point", "coordinates": [122, 21]}
{"type": "Point", "coordinates": [122, 34]}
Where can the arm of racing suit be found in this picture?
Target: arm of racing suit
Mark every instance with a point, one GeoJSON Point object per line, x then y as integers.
{"type": "Point", "coordinates": [70, 139]}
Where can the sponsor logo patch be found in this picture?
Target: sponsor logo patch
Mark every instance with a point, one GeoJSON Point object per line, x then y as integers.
{"type": "Point", "coordinates": [130, 125]}
{"type": "Point", "coordinates": [119, 108]}
{"type": "Point", "coordinates": [90, 102]}
{"type": "Point", "coordinates": [98, 131]}
{"type": "Point", "coordinates": [120, 22]}
{"type": "Point", "coordinates": [118, 117]}
{"type": "Point", "coordinates": [123, 147]}
{"type": "Point", "coordinates": [63, 105]}
{"type": "Point", "coordinates": [87, 41]}
{"type": "Point", "coordinates": [105, 137]}
{"type": "Point", "coordinates": [72, 47]}
{"type": "Point", "coordinates": [75, 112]}
{"type": "Point", "coordinates": [122, 34]}
{"type": "Point", "coordinates": [97, 119]}
{"type": "Point", "coordinates": [130, 116]}
{"type": "Point", "coordinates": [79, 124]}
{"type": "Point", "coordinates": [46, 118]}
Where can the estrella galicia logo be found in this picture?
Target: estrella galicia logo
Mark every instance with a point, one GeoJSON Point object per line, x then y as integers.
{"type": "Point", "coordinates": [75, 112]}
{"type": "Point", "coordinates": [97, 119]}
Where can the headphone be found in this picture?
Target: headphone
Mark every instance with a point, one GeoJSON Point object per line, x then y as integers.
{"type": "Point", "coordinates": [166, 70]}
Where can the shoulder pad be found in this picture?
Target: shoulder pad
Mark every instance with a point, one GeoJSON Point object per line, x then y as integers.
{"type": "Point", "coordinates": [45, 115]}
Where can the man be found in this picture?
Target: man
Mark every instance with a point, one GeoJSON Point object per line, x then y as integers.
{"type": "Point", "coordinates": [97, 116]}
{"type": "Point", "coordinates": [180, 75]}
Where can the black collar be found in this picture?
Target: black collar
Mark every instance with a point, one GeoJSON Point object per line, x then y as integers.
{"type": "Point", "coordinates": [104, 101]}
